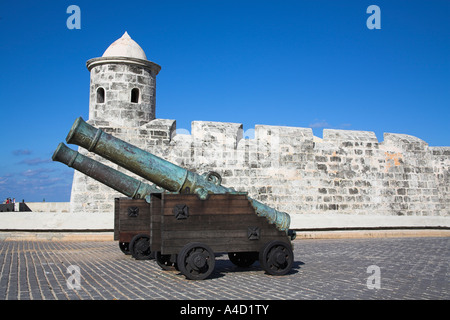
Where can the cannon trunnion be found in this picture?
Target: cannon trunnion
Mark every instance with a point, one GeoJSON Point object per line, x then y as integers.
{"type": "Point", "coordinates": [185, 232]}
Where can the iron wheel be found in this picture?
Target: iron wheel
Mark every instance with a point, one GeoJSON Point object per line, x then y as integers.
{"type": "Point", "coordinates": [276, 258]}
{"type": "Point", "coordinates": [140, 247]}
{"type": "Point", "coordinates": [196, 261]}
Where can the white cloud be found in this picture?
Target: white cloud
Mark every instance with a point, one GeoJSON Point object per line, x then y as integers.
{"type": "Point", "coordinates": [319, 124]}
{"type": "Point", "coordinates": [21, 152]}
{"type": "Point", "coordinates": [35, 161]}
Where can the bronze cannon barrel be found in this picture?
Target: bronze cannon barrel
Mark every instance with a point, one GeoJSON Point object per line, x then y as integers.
{"type": "Point", "coordinates": [159, 171]}
{"type": "Point", "coordinates": [146, 165]}
{"type": "Point", "coordinates": [115, 179]}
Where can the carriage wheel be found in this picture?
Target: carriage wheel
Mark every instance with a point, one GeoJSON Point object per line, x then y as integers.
{"type": "Point", "coordinates": [276, 258]}
{"type": "Point", "coordinates": [140, 247]}
{"type": "Point", "coordinates": [243, 259]}
{"type": "Point", "coordinates": [165, 261]}
{"type": "Point", "coordinates": [125, 247]}
{"type": "Point", "coordinates": [196, 261]}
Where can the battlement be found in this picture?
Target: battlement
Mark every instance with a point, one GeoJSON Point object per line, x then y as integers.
{"type": "Point", "coordinates": [232, 135]}
{"type": "Point", "coordinates": [288, 168]}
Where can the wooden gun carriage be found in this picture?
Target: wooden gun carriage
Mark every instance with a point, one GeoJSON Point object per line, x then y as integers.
{"type": "Point", "coordinates": [189, 218]}
{"type": "Point", "coordinates": [186, 232]}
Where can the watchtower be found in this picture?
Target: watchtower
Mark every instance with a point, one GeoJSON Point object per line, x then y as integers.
{"type": "Point", "coordinates": [122, 85]}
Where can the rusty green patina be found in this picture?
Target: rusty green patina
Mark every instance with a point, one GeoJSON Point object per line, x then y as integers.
{"type": "Point", "coordinates": [159, 171]}
{"type": "Point", "coordinates": [115, 179]}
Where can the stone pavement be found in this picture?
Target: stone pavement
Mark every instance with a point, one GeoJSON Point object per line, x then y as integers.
{"type": "Point", "coordinates": [344, 269]}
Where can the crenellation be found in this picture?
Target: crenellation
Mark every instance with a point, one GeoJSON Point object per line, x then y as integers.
{"type": "Point", "coordinates": [344, 136]}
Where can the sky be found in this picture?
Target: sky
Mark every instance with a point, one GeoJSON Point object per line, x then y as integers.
{"type": "Point", "coordinates": [310, 63]}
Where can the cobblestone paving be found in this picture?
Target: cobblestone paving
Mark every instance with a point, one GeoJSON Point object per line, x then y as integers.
{"type": "Point", "coordinates": [408, 268]}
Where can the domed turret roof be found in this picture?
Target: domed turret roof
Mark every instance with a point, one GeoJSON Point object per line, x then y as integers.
{"type": "Point", "coordinates": [124, 50]}
{"type": "Point", "coordinates": [125, 47]}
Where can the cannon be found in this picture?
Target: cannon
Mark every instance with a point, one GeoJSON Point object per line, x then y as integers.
{"type": "Point", "coordinates": [159, 171]}
{"type": "Point", "coordinates": [115, 179]}
{"type": "Point", "coordinates": [194, 218]}
{"type": "Point", "coordinates": [126, 227]}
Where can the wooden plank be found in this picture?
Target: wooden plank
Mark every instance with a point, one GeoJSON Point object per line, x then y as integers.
{"type": "Point", "coordinates": [215, 204]}
{"type": "Point", "coordinates": [139, 203]}
{"type": "Point", "coordinates": [216, 222]}
{"type": "Point", "coordinates": [127, 236]}
{"type": "Point", "coordinates": [204, 235]}
{"type": "Point", "coordinates": [174, 246]}
{"type": "Point", "coordinates": [218, 210]}
{"type": "Point", "coordinates": [220, 235]}
{"type": "Point", "coordinates": [218, 196]}
{"type": "Point", "coordinates": [131, 223]}
{"type": "Point", "coordinates": [224, 224]}
{"type": "Point", "coordinates": [155, 222]}
{"type": "Point", "coordinates": [193, 200]}
{"type": "Point", "coordinates": [241, 233]}
{"type": "Point", "coordinates": [116, 219]}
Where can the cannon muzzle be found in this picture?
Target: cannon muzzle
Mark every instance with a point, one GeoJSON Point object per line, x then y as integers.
{"type": "Point", "coordinates": [159, 171]}
{"type": "Point", "coordinates": [146, 165]}
{"type": "Point", "coordinates": [117, 180]}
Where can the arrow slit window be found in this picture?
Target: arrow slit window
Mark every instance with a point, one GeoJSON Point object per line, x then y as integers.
{"type": "Point", "coordinates": [100, 95]}
{"type": "Point", "coordinates": [135, 95]}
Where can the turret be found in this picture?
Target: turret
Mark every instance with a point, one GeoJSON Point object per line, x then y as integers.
{"type": "Point", "coordinates": [122, 85]}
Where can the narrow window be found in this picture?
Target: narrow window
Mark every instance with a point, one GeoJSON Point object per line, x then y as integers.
{"type": "Point", "coordinates": [100, 95]}
{"type": "Point", "coordinates": [135, 95]}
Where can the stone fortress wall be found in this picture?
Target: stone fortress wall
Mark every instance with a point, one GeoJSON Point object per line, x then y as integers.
{"type": "Point", "coordinates": [287, 168]}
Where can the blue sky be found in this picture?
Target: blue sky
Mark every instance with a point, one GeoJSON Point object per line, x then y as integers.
{"type": "Point", "coordinates": [292, 63]}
